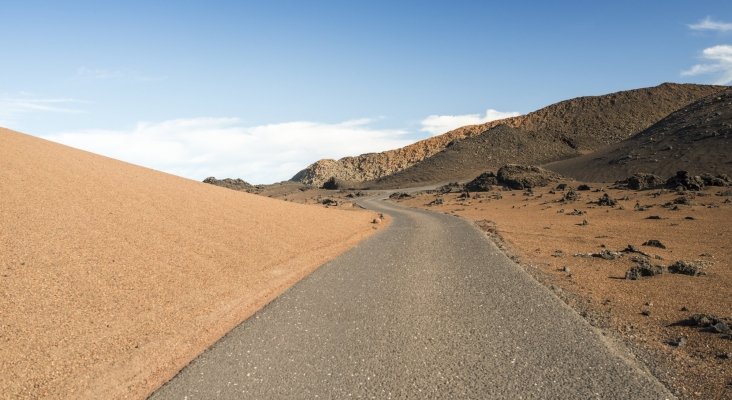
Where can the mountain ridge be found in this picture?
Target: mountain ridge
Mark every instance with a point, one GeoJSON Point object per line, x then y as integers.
{"type": "Point", "coordinates": [557, 120]}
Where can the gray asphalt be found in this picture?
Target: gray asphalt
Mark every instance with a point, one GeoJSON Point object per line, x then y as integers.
{"type": "Point", "coordinates": [428, 308]}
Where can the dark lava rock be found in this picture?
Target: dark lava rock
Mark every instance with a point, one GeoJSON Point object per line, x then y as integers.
{"type": "Point", "coordinates": [643, 269]}
{"type": "Point", "coordinates": [584, 187]}
{"type": "Point", "coordinates": [452, 187]}
{"type": "Point", "coordinates": [570, 195]}
{"type": "Point", "coordinates": [654, 243]}
{"type": "Point", "coordinates": [643, 181]}
{"type": "Point", "coordinates": [719, 180]}
{"type": "Point", "coordinates": [561, 186]}
{"type": "Point", "coordinates": [720, 327]}
{"type": "Point", "coordinates": [606, 255]}
{"type": "Point", "coordinates": [653, 217]}
{"type": "Point", "coordinates": [683, 179]}
{"type": "Point", "coordinates": [686, 268]}
{"type": "Point", "coordinates": [632, 249]}
{"type": "Point", "coordinates": [606, 200]}
{"type": "Point", "coordinates": [523, 177]}
{"type": "Point", "coordinates": [464, 196]}
{"type": "Point", "coordinates": [334, 183]}
{"type": "Point", "coordinates": [399, 196]}
{"type": "Point", "coordinates": [482, 183]}
{"type": "Point", "coordinates": [683, 200]}
{"type": "Point", "coordinates": [235, 184]}
{"type": "Point", "coordinates": [705, 321]}
{"type": "Point", "coordinates": [678, 342]}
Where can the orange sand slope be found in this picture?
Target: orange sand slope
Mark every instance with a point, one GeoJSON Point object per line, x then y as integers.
{"type": "Point", "coordinates": [113, 276]}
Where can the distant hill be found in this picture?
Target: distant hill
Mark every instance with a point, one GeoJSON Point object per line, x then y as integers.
{"type": "Point", "coordinates": [696, 138]}
{"type": "Point", "coordinates": [561, 130]}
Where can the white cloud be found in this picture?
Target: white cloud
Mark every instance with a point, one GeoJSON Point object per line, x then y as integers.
{"type": "Point", "coordinates": [11, 107]}
{"type": "Point", "coordinates": [718, 62]}
{"type": "Point", "coordinates": [224, 147]}
{"type": "Point", "coordinates": [707, 24]}
{"type": "Point", "coordinates": [438, 124]}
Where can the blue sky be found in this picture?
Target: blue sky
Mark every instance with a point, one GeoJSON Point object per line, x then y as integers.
{"type": "Point", "coordinates": [258, 90]}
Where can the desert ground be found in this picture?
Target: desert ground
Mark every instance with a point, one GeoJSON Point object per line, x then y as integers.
{"type": "Point", "coordinates": [113, 276]}
{"type": "Point", "coordinates": [577, 249]}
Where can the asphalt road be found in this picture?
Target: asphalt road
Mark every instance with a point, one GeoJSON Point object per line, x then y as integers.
{"type": "Point", "coordinates": [428, 308]}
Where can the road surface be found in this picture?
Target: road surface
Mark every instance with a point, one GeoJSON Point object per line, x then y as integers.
{"type": "Point", "coordinates": [428, 308]}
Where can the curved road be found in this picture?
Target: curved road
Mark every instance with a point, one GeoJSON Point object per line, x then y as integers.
{"type": "Point", "coordinates": [428, 308]}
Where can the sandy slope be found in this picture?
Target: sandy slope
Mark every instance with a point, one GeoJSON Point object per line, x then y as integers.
{"type": "Point", "coordinates": [113, 276]}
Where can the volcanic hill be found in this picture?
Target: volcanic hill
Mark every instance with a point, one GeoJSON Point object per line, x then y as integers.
{"type": "Point", "coordinates": [562, 130]}
{"type": "Point", "coordinates": [696, 138]}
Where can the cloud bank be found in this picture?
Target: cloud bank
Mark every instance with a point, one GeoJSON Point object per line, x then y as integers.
{"type": "Point", "coordinates": [718, 62]}
{"type": "Point", "coordinates": [708, 24]}
{"type": "Point", "coordinates": [224, 147]}
{"type": "Point", "coordinates": [438, 124]}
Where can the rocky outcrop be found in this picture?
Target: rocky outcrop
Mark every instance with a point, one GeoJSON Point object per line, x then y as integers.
{"type": "Point", "coordinates": [579, 125]}
{"type": "Point", "coordinates": [229, 183]}
{"type": "Point", "coordinates": [525, 176]}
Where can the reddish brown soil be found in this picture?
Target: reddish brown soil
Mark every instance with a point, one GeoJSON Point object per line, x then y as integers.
{"type": "Point", "coordinates": [113, 276]}
{"type": "Point", "coordinates": [644, 313]}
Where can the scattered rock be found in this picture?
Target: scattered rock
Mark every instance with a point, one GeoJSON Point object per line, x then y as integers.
{"type": "Point", "coordinates": [519, 177]}
{"type": "Point", "coordinates": [654, 243]}
{"type": "Point", "coordinates": [607, 255]}
{"type": "Point", "coordinates": [436, 202]}
{"type": "Point", "coordinates": [452, 187]}
{"type": "Point", "coordinates": [644, 181]}
{"type": "Point", "coordinates": [686, 268]}
{"type": "Point", "coordinates": [632, 249]}
{"type": "Point", "coordinates": [229, 183]}
{"type": "Point", "coordinates": [607, 201]}
{"type": "Point", "coordinates": [643, 269]}
{"type": "Point", "coordinates": [483, 183]}
{"type": "Point", "coordinates": [719, 180]}
{"type": "Point", "coordinates": [584, 187]}
{"type": "Point", "coordinates": [653, 217]}
{"type": "Point", "coordinates": [678, 342]}
{"type": "Point", "coordinates": [376, 221]}
{"type": "Point", "coordinates": [399, 195]}
{"type": "Point", "coordinates": [570, 195]}
{"type": "Point", "coordinates": [576, 212]}
{"type": "Point", "coordinates": [720, 327]}
{"type": "Point", "coordinates": [334, 183]}
{"type": "Point", "coordinates": [561, 186]}
{"type": "Point", "coordinates": [329, 202]}
{"type": "Point", "coordinates": [686, 181]}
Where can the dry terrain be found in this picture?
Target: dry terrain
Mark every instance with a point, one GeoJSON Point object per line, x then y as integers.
{"type": "Point", "coordinates": [697, 138]}
{"type": "Point", "coordinates": [113, 276]}
{"type": "Point", "coordinates": [576, 248]}
{"type": "Point", "coordinates": [565, 129]}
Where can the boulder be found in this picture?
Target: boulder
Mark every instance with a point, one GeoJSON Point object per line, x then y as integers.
{"type": "Point", "coordinates": [683, 179]}
{"type": "Point", "coordinates": [525, 176]}
{"type": "Point", "coordinates": [482, 183]}
{"type": "Point", "coordinates": [644, 181]}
